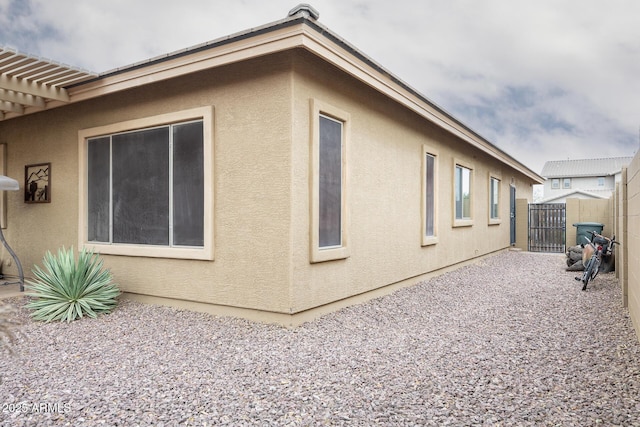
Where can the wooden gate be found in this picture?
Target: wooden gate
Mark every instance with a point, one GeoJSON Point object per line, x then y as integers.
{"type": "Point", "coordinates": [547, 227]}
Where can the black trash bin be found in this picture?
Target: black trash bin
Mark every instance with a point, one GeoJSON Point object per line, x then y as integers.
{"type": "Point", "coordinates": [584, 231]}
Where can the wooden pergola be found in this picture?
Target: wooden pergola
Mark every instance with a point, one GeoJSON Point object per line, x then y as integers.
{"type": "Point", "coordinates": [28, 83]}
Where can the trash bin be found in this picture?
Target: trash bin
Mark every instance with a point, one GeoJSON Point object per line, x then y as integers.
{"type": "Point", "coordinates": [584, 231]}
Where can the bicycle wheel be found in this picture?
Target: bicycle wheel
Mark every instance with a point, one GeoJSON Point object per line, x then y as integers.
{"type": "Point", "coordinates": [595, 268]}
{"type": "Point", "coordinates": [588, 272]}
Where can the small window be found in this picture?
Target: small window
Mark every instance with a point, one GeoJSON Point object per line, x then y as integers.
{"type": "Point", "coordinates": [462, 196]}
{"type": "Point", "coordinates": [601, 181]}
{"type": "Point", "coordinates": [566, 183]}
{"type": "Point", "coordinates": [429, 194]}
{"type": "Point", "coordinates": [494, 199]}
{"type": "Point", "coordinates": [555, 183]}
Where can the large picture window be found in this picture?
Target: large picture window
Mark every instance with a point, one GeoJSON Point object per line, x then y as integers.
{"type": "Point", "coordinates": [147, 190]}
{"type": "Point", "coordinates": [146, 187]}
{"type": "Point", "coordinates": [329, 218]}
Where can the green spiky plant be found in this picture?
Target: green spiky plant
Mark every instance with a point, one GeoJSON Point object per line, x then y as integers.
{"type": "Point", "coordinates": [68, 290]}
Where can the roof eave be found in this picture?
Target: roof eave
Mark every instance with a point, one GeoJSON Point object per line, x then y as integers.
{"type": "Point", "coordinates": [298, 31]}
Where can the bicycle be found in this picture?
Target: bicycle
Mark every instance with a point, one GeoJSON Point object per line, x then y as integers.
{"type": "Point", "coordinates": [598, 246]}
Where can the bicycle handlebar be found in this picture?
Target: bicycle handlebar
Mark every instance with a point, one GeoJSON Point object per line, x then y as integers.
{"type": "Point", "coordinates": [611, 240]}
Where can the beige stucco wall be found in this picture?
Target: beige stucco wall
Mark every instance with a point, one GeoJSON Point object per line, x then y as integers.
{"type": "Point", "coordinates": [522, 224]}
{"type": "Point", "coordinates": [262, 189]}
{"type": "Point", "coordinates": [631, 244]}
{"type": "Point", "coordinates": [252, 192]}
{"type": "Point", "coordinates": [589, 210]}
{"type": "Point", "coordinates": [384, 190]}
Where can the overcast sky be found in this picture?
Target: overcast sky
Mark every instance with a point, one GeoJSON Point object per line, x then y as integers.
{"type": "Point", "coordinates": [541, 79]}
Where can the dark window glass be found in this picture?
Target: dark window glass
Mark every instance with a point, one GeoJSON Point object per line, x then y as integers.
{"type": "Point", "coordinates": [141, 187]}
{"type": "Point", "coordinates": [330, 183]}
{"type": "Point", "coordinates": [98, 165]}
{"type": "Point", "coordinates": [188, 185]}
{"type": "Point", "coordinates": [430, 195]}
{"type": "Point", "coordinates": [135, 196]}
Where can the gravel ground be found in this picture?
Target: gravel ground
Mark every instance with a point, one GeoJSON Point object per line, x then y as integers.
{"type": "Point", "coordinates": [511, 340]}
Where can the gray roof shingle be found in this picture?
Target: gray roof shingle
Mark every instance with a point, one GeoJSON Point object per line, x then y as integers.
{"type": "Point", "coordinates": [584, 167]}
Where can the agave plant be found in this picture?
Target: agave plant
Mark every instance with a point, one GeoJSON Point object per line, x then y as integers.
{"type": "Point", "coordinates": [67, 290]}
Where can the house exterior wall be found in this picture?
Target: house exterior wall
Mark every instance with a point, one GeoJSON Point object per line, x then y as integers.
{"type": "Point", "coordinates": [589, 184]}
{"type": "Point", "coordinates": [262, 123]}
{"type": "Point", "coordinates": [252, 162]}
{"type": "Point", "coordinates": [384, 186]}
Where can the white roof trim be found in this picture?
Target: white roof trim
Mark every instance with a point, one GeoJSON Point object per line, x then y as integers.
{"type": "Point", "coordinates": [570, 193]}
{"type": "Point", "coordinates": [29, 82]}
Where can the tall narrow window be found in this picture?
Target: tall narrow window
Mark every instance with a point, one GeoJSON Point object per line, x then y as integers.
{"type": "Point", "coordinates": [329, 223]}
{"type": "Point", "coordinates": [330, 183]}
{"type": "Point", "coordinates": [430, 162]}
{"type": "Point", "coordinates": [429, 196]}
{"type": "Point", "coordinates": [462, 196]}
{"type": "Point", "coordinates": [494, 198]}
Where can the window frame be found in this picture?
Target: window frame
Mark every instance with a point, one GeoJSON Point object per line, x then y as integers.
{"type": "Point", "coordinates": [426, 238]}
{"type": "Point", "coordinates": [555, 183]}
{"type": "Point", "coordinates": [317, 253]}
{"type": "Point", "coordinates": [566, 183]}
{"type": "Point", "coordinates": [201, 253]}
{"type": "Point", "coordinates": [464, 221]}
{"type": "Point", "coordinates": [493, 177]}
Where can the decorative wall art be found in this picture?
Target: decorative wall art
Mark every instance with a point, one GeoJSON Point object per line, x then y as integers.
{"type": "Point", "coordinates": [37, 183]}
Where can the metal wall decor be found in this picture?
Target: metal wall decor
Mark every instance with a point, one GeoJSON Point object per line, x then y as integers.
{"type": "Point", "coordinates": [37, 183]}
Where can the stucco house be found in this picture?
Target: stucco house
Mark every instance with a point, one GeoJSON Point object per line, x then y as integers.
{"type": "Point", "coordinates": [581, 179]}
{"type": "Point", "coordinates": [274, 174]}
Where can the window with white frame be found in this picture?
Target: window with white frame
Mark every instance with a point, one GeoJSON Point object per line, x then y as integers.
{"type": "Point", "coordinates": [566, 183]}
{"type": "Point", "coordinates": [329, 219]}
{"type": "Point", "coordinates": [494, 199]}
{"type": "Point", "coordinates": [601, 181]}
{"type": "Point", "coordinates": [462, 189]}
{"type": "Point", "coordinates": [147, 189]}
{"type": "Point", "coordinates": [555, 183]}
{"type": "Point", "coordinates": [429, 187]}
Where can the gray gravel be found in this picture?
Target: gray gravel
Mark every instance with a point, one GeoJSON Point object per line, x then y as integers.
{"type": "Point", "coordinates": [509, 341]}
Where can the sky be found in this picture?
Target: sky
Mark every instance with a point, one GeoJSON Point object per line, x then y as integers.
{"type": "Point", "coordinates": [540, 79]}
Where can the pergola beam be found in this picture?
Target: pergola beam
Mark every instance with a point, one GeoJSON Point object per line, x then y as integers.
{"type": "Point", "coordinates": [22, 98]}
{"type": "Point", "coordinates": [11, 107]}
{"type": "Point", "coordinates": [32, 88]}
